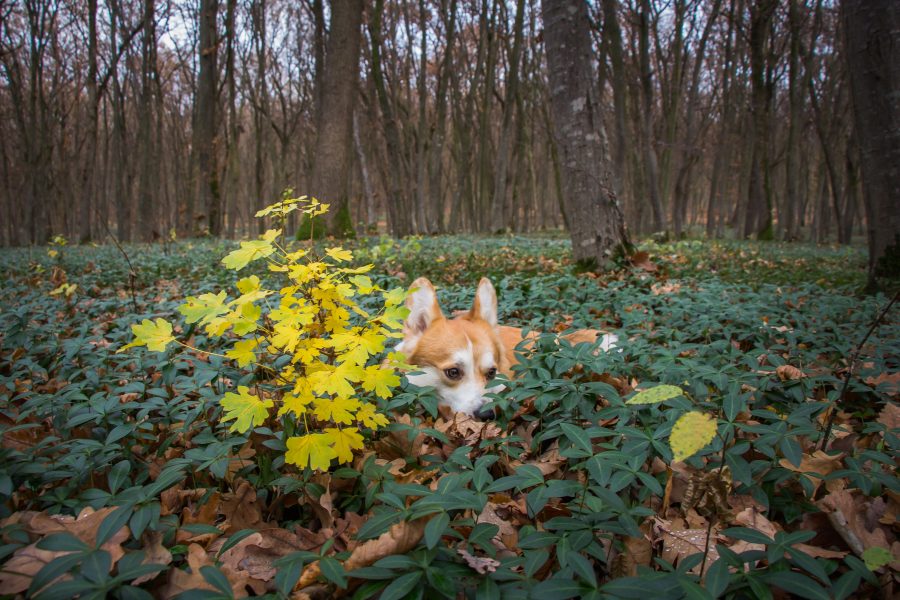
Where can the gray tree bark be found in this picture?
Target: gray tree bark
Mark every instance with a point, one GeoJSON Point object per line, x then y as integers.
{"type": "Point", "coordinates": [329, 181]}
{"type": "Point", "coordinates": [873, 60]}
{"type": "Point", "coordinates": [589, 202]}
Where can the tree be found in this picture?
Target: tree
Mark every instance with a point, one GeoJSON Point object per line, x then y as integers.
{"type": "Point", "coordinates": [329, 181]}
{"type": "Point", "coordinates": [872, 29]}
{"type": "Point", "coordinates": [206, 117]}
{"type": "Point", "coordinates": [589, 202]}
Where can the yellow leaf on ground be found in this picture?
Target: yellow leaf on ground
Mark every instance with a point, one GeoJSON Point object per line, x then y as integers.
{"type": "Point", "coordinates": [691, 433]}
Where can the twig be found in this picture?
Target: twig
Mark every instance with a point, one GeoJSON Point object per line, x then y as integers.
{"type": "Point", "coordinates": [132, 275]}
{"type": "Point", "coordinates": [849, 373]}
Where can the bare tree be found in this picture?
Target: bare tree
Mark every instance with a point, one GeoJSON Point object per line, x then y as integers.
{"type": "Point", "coordinates": [595, 220]}
{"type": "Point", "coordinates": [873, 60]}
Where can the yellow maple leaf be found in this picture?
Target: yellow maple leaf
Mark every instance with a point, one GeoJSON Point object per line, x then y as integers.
{"type": "Point", "coordinates": [245, 409]}
{"type": "Point", "coordinates": [339, 254]}
{"type": "Point", "coordinates": [380, 380]}
{"type": "Point", "coordinates": [248, 284]}
{"type": "Point", "coordinates": [203, 308]}
{"type": "Point", "coordinates": [369, 417]}
{"type": "Point", "coordinates": [345, 442]}
{"type": "Point", "coordinates": [250, 251]}
{"type": "Point", "coordinates": [243, 352]}
{"type": "Point", "coordinates": [295, 403]}
{"type": "Point", "coordinates": [691, 433]}
{"type": "Point", "coordinates": [313, 450]}
{"type": "Point", "coordinates": [338, 410]}
{"type": "Point", "coordinates": [156, 335]}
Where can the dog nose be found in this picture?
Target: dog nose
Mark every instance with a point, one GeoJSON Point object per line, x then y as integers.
{"type": "Point", "coordinates": [485, 414]}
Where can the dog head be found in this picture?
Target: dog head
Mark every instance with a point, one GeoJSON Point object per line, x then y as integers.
{"type": "Point", "coordinates": [458, 357]}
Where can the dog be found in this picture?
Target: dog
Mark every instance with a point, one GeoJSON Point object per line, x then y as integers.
{"type": "Point", "coordinates": [461, 356]}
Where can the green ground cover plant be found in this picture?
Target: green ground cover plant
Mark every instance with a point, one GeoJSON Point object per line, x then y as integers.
{"type": "Point", "coordinates": [123, 476]}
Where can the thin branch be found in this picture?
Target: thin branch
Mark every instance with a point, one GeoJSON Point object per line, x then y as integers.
{"type": "Point", "coordinates": [849, 374]}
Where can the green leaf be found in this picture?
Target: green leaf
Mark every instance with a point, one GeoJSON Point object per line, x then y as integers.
{"type": "Point", "coordinates": [579, 437]}
{"type": "Point", "coordinates": [62, 542]}
{"type": "Point", "coordinates": [748, 535]}
{"type": "Point", "coordinates": [435, 529]}
{"type": "Point", "coordinates": [655, 395]}
{"type": "Point", "coordinates": [797, 585]}
{"type": "Point", "coordinates": [876, 557]}
{"type": "Point", "coordinates": [113, 522]}
{"type": "Point", "coordinates": [217, 579]}
{"type": "Point", "coordinates": [333, 571]}
{"type": "Point", "coordinates": [234, 539]}
{"type": "Point", "coordinates": [401, 586]}
{"type": "Point", "coordinates": [557, 589]}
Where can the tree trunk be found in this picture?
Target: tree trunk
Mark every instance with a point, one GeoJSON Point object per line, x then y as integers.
{"type": "Point", "coordinates": [650, 161]}
{"type": "Point", "coordinates": [872, 32]}
{"type": "Point", "coordinates": [206, 116]}
{"type": "Point", "coordinates": [758, 215]}
{"type": "Point", "coordinates": [594, 218]}
{"type": "Point", "coordinates": [329, 181]}
{"type": "Point", "coordinates": [148, 181]}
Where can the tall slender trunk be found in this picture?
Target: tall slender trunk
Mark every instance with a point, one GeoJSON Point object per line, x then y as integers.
{"type": "Point", "coordinates": [647, 139]}
{"type": "Point", "coordinates": [206, 118]}
{"type": "Point", "coordinates": [589, 201]}
{"type": "Point", "coordinates": [499, 220]}
{"type": "Point", "coordinates": [147, 176]}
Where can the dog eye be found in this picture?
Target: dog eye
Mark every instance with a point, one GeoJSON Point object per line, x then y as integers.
{"type": "Point", "coordinates": [492, 372]}
{"type": "Point", "coordinates": [452, 373]}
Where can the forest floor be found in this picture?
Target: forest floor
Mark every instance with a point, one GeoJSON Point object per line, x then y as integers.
{"type": "Point", "coordinates": [118, 477]}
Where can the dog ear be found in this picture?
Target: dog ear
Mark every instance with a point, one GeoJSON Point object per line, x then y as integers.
{"type": "Point", "coordinates": [423, 308]}
{"type": "Point", "coordinates": [485, 306]}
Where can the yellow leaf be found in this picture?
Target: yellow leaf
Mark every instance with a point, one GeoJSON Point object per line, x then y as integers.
{"type": "Point", "coordinates": [295, 403]}
{"type": "Point", "coordinates": [243, 352]}
{"type": "Point", "coordinates": [395, 297]}
{"type": "Point", "coordinates": [250, 251]}
{"type": "Point", "coordinates": [203, 308]}
{"type": "Point", "coordinates": [369, 417]}
{"type": "Point", "coordinates": [313, 450]}
{"type": "Point", "coordinates": [338, 410]}
{"type": "Point", "coordinates": [381, 380]}
{"type": "Point", "coordinates": [339, 254]}
{"type": "Point", "coordinates": [155, 335]}
{"type": "Point", "coordinates": [691, 433]}
{"type": "Point", "coordinates": [245, 409]}
{"type": "Point", "coordinates": [248, 284]}
{"type": "Point", "coordinates": [345, 442]}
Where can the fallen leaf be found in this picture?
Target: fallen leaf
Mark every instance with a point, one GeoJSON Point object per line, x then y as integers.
{"type": "Point", "coordinates": [481, 564]}
{"type": "Point", "coordinates": [819, 463]}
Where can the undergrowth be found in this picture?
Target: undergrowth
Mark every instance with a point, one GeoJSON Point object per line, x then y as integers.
{"type": "Point", "coordinates": [120, 479]}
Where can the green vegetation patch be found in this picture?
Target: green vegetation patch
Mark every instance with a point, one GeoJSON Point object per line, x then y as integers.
{"type": "Point", "coordinates": [125, 471]}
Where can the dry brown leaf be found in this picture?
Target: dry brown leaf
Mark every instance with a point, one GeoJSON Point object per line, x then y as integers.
{"type": "Point", "coordinates": [638, 551]}
{"type": "Point", "coordinates": [789, 373]}
{"type": "Point", "coordinates": [241, 509]}
{"type": "Point", "coordinates": [847, 513]}
{"type": "Point", "coordinates": [17, 573]}
{"type": "Point", "coordinates": [154, 554]}
{"type": "Point", "coordinates": [481, 564]}
{"type": "Point", "coordinates": [399, 539]}
{"type": "Point", "coordinates": [818, 462]}
{"type": "Point", "coordinates": [240, 460]}
{"type": "Point", "coordinates": [180, 581]}
{"type": "Point", "coordinates": [753, 519]}
{"type": "Point", "coordinates": [890, 416]}
{"type": "Point", "coordinates": [254, 555]}
{"type": "Point", "coordinates": [889, 383]}
{"type": "Point", "coordinates": [678, 544]}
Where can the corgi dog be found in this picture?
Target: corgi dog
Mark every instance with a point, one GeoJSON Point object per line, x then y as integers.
{"type": "Point", "coordinates": [461, 356]}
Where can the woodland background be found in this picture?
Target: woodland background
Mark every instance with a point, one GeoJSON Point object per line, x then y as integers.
{"type": "Point", "coordinates": [148, 118]}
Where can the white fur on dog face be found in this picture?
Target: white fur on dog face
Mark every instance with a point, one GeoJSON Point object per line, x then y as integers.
{"type": "Point", "coordinates": [467, 395]}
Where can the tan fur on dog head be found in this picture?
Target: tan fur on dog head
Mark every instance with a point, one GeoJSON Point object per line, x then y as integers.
{"type": "Point", "coordinates": [458, 357]}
